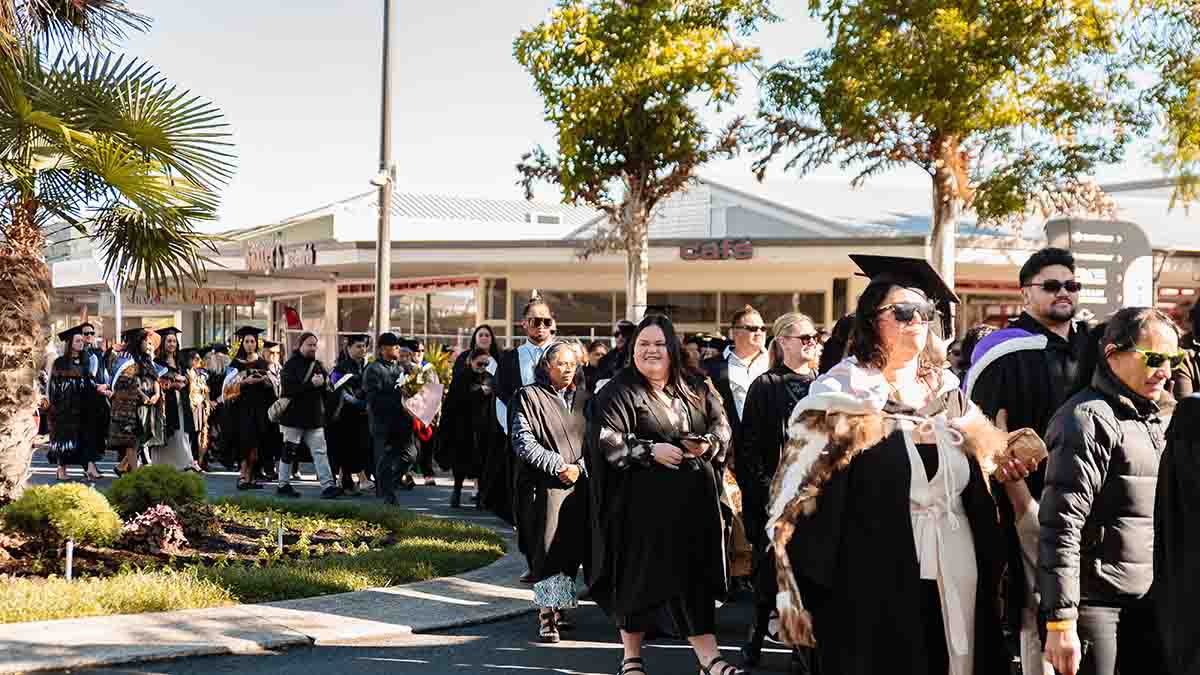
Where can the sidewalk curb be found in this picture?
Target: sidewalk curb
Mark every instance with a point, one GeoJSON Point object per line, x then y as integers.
{"type": "Point", "coordinates": [437, 604]}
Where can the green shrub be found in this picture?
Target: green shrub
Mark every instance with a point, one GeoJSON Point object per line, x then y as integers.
{"type": "Point", "coordinates": [56, 513]}
{"type": "Point", "coordinates": [156, 484]}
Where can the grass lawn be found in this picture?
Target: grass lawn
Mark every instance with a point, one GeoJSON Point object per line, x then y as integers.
{"type": "Point", "coordinates": [394, 547]}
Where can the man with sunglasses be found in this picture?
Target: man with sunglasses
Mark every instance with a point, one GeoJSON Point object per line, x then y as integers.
{"type": "Point", "coordinates": [1027, 371]}
{"type": "Point", "coordinates": [735, 370]}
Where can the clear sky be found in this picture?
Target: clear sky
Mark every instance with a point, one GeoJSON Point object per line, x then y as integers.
{"type": "Point", "coordinates": [299, 82]}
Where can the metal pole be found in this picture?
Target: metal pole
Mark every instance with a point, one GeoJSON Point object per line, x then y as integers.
{"type": "Point", "coordinates": [383, 253]}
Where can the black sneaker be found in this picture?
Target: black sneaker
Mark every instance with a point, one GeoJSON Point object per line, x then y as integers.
{"type": "Point", "coordinates": [331, 492]}
{"type": "Point", "coordinates": [287, 490]}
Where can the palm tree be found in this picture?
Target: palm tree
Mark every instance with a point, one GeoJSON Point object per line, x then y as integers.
{"type": "Point", "coordinates": [101, 146]}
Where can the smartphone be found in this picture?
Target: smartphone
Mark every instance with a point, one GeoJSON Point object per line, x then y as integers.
{"type": "Point", "coordinates": [695, 438]}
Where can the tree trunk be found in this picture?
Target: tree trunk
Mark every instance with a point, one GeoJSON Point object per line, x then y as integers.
{"type": "Point", "coordinates": [24, 306]}
{"type": "Point", "coordinates": [947, 205]}
{"type": "Point", "coordinates": [637, 275]}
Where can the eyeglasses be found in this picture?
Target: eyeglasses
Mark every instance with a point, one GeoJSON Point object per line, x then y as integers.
{"type": "Point", "coordinates": [809, 339]}
{"type": "Point", "coordinates": [539, 321]}
{"type": "Point", "coordinates": [752, 329]}
{"type": "Point", "coordinates": [1054, 286]}
{"type": "Point", "coordinates": [1156, 359]}
{"type": "Point", "coordinates": [905, 312]}
{"type": "Point", "coordinates": [88, 334]}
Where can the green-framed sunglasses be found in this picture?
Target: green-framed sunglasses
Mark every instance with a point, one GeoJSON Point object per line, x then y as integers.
{"type": "Point", "coordinates": [1156, 359]}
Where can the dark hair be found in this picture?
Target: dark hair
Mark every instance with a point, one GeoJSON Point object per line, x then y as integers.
{"type": "Point", "coordinates": [493, 350]}
{"type": "Point", "coordinates": [1127, 325]}
{"type": "Point", "coordinates": [866, 344]}
{"type": "Point", "coordinates": [534, 302]}
{"type": "Point", "coordinates": [971, 340]}
{"type": "Point", "coordinates": [1045, 258]}
{"type": "Point", "coordinates": [303, 337]}
{"type": "Point", "coordinates": [478, 352]}
{"type": "Point", "coordinates": [834, 349]}
{"type": "Point", "coordinates": [240, 354]}
{"type": "Point", "coordinates": [742, 313]}
{"type": "Point", "coordinates": [597, 343]}
{"type": "Point", "coordinates": [677, 377]}
{"type": "Point", "coordinates": [541, 371]}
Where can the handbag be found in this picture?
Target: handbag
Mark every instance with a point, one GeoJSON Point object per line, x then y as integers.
{"type": "Point", "coordinates": [280, 406]}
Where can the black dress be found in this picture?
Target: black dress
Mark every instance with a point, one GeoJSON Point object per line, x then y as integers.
{"type": "Point", "coordinates": [348, 430]}
{"type": "Point", "coordinates": [496, 485]}
{"type": "Point", "coordinates": [469, 431]}
{"type": "Point", "coordinates": [246, 425]}
{"type": "Point", "coordinates": [657, 532]}
{"type": "Point", "coordinates": [72, 414]}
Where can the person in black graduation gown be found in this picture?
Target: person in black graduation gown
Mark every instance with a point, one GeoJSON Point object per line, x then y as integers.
{"type": "Point", "coordinates": [1177, 540]}
{"type": "Point", "coordinates": [347, 431]}
{"type": "Point", "coordinates": [469, 432]}
{"type": "Point", "coordinates": [768, 406]}
{"type": "Point", "coordinates": [551, 483]}
{"type": "Point", "coordinates": [618, 358]}
{"type": "Point", "coordinates": [654, 438]}
{"type": "Point", "coordinates": [483, 338]}
{"type": "Point", "coordinates": [249, 391]}
{"type": "Point", "coordinates": [886, 536]}
{"type": "Point", "coordinates": [216, 364]}
{"type": "Point", "coordinates": [73, 410]}
{"type": "Point", "coordinates": [514, 370]}
{"type": "Point", "coordinates": [179, 425]}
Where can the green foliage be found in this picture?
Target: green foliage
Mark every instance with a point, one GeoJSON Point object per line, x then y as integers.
{"type": "Point", "coordinates": [56, 513]}
{"type": "Point", "coordinates": [157, 484]}
{"type": "Point", "coordinates": [129, 592]}
{"type": "Point", "coordinates": [620, 80]}
{"type": "Point", "coordinates": [1005, 104]}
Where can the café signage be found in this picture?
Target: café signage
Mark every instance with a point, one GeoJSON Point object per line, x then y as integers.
{"type": "Point", "coordinates": [1113, 261]}
{"type": "Point", "coordinates": [268, 256]}
{"type": "Point", "coordinates": [723, 249]}
{"type": "Point", "coordinates": [200, 296]}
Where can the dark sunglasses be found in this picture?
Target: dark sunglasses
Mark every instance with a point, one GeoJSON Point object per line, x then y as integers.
{"type": "Point", "coordinates": [88, 334]}
{"type": "Point", "coordinates": [806, 339]}
{"type": "Point", "coordinates": [1156, 359]}
{"type": "Point", "coordinates": [538, 321]}
{"type": "Point", "coordinates": [905, 312]}
{"type": "Point", "coordinates": [1054, 286]}
{"type": "Point", "coordinates": [753, 329]}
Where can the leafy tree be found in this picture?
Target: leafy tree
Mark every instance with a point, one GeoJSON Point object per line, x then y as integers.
{"type": "Point", "coordinates": [104, 147]}
{"type": "Point", "coordinates": [623, 83]}
{"type": "Point", "coordinates": [1008, 105]}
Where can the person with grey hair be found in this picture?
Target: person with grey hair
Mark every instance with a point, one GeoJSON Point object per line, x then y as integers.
{"type": "Point", "coordinates": [1095, 562]}
{"type": "Point", "coordinates": [551, 483]}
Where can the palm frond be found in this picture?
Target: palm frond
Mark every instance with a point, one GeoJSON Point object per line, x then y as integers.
{"type": "Point", "coordinates": [91, 23]}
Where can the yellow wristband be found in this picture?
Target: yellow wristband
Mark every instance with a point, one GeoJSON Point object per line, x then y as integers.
{"type": "Point", "coordinates": [1060, 626]}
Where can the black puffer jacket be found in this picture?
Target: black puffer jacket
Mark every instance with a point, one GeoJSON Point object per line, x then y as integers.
{"type": "Point", "coordinates": [1097, 509]}
{"type": "Point", "coordinates": [307, 409]}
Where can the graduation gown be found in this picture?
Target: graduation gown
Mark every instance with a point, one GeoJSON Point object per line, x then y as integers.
{"type": "Point", "coordinates": [469, 432]}
{"type": "Point", "coordinates": [552, 518]}
{"type": "Point", "coordinates": [245, 423]}
{"type": "Point", "coordinates": [348, 429]}
{"type": "Point", "coordinates": [72, 413]}
{"type": "Point", "coordinates": [657, 533]}
{"type": "Point", "coordinates": [1176, 589]}
{"type": "Point", "coordinates": [769, 404]}
{"type": "Point", "coordinates": [499, 471]}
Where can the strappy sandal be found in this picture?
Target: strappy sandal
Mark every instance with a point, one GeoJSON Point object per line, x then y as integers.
{"type": "Point", "coordinates": [632, 664]}
{"type": "Point", "coordinates": [563, 620]}
{"type": "Point", "coordinates": [547, 628]}
{"type": "Point", "coordinates": [726, 668]}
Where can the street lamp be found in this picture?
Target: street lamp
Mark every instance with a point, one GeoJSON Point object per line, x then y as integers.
{"type": "Point", "coordinates": [384, 181]}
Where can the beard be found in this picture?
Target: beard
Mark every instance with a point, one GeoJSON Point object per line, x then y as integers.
{"type": "Point", "coordinates": [1060, 313]}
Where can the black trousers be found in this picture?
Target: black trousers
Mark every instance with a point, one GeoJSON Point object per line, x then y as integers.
{"type": "Point", "coordinates": [1120, 639]}
{"type": "Point", "coordinates": [396, 454]}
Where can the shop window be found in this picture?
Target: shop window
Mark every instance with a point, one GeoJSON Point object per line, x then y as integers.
{"type": "Point", "coordinates": [356, 315]}
{"type": "Point", "coordinates": [495, 293]}
{"type": "Point", "coordinates": [312, 307]}
{"type": "Point", "coordinates": [452, 313]}
{"type": "Point", "coordinates": [773, 305]}
{"type": "Point", "coordinates": [685, 307]}
{"type": "Point", "coordinates": [570, 307]}
{"type": "Point", "coordinates": [408, 314]}
{"type": "Point", "coordinates": [841, 297]}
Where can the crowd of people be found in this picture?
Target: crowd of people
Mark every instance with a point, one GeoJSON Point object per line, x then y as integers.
{"type": "Point", "coordinates": [887, 500]}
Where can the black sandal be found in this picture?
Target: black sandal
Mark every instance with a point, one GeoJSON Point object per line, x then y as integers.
{"type": "Point", "coordinates": [632, 664]}
{"type": "Point", "coordinates": [547, 628]}
{"type": "Point", "coordinates": [563, 620]}
{"type": "Point", "coordinates": [248, 485]}
{"type": "Point", "coordinates": [727, 669]}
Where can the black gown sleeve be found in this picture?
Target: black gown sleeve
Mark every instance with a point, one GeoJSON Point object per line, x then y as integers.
{"type": "Point", "coordinates": [616, 425]}
{"type": "Point", "coordinates": [757, 432]}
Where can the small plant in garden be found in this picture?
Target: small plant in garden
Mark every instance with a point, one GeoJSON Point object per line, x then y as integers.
{"type": "Point", "coordinates": [53, 514]}
{"type": "Point", "coordinates": [156, 484]}
{"type": "Point", "coordinates": [200, 521]}
{"type": "Point", "coordinates": [157, 530]}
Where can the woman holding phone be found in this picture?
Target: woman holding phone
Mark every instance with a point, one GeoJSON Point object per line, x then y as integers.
{"type": "Point", "coordinates": [658, 544]}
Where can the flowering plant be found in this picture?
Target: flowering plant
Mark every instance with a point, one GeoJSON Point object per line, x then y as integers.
{"type": "Point", "coordinates": [425, 387]}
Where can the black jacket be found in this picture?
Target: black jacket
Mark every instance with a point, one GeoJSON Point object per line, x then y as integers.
{"type": "Point", "coordinates": [768, 406]}
{"type": "Point", "coordinates": [307, 407]}
{"type": "Point", "coordinates": [1177, 540]}
{"type": "Point", "coordinates": [385, 402]}
{"type": "Point", "coordinates": [1097, 510]}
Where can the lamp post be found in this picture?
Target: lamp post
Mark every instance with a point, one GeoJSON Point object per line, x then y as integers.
{"type": "Point", "coordinates": [384, 180]}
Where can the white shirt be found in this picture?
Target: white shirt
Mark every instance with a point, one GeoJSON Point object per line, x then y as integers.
{"type": "Point", "coordinates": [742, 374]}
{"type": "Point", "coordinates": [528, 356]}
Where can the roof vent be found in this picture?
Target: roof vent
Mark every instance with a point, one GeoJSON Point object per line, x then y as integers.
{"type": "Point", "coordinates": [543, 218]}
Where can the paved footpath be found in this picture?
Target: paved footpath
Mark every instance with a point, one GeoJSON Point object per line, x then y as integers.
{"type": "Point", "coordinates": [480, 622]}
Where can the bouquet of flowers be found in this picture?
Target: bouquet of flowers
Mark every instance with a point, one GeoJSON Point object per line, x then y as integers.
{"type": "Point", "coordinates": [425, 387]}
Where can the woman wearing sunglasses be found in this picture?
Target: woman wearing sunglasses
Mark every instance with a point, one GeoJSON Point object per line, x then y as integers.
{"type": "Point", "coordinates": [885, 534]}
{"type": "Point", "coordinates": [1095, 564]}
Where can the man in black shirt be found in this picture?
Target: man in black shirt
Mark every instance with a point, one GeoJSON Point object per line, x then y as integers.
{"type": "Point", "coordinates": [1028, 379]}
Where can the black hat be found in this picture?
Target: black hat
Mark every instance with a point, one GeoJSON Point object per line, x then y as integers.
{"type": "Point", "coordinates": [185, 355]}
{"type": "Point", "coordinates": [129, 334]}
{"type": "Point", "coordinates": [910, 273]}
{"type": "Point", "coordinates": [69, 333]}
{"type": "Point", "coordinates": [268, 344]}
{"type": "Point", "coordinates": [202, 351]}
{"type": "Point", "coordinates": [409, 344]}
{"type": "Point", "coordinates": [219, 347]}
{"type": "Point", "coordinates": [389, 340]}
{"type": "Point", "coordinates": [356, 338]}
{"type": "Point", "coordinates": [249, 330]}
{"type": "Point", "coordinates": [169, 330]}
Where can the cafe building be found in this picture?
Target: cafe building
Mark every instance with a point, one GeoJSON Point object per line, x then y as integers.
{"type": "Point", "coordinates": [459, 262]}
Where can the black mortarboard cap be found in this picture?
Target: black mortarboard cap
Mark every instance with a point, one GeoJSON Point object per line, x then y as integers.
{"type": "Point", "coordinates": [249, 330]}
{"type": "Point", "coordinates": [130, 333]}
{"type": "Point", "coordinates": [357, 338]}
{"type": "Point", "coordinates": [169, 330]}
{"type": "Point", "coordinates": [202, 351]}
{"type": "Point", "coordinates": [220, 347]}
{"type": "Point", "coordinates": [268, 344]}
{"type": "Point", "coordinates": [389, 340]}
{"type": "Point", "coordinates": [69, 333]}
{"type": "Point", "coordinates": [409, 344]}
{"type": "Point", "coordinates": [910, 273]}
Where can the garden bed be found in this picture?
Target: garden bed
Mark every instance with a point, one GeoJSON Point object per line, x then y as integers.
{"type": "Point", "coordinates": [328, 547]}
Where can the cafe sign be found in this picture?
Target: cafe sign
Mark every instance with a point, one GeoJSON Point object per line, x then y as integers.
{"type": "Point", "coordinates": [723, 249]}
{"type": "Point", "coordinates": [199, 296]}
{"type": "Point", "coordinates": [270, 255]}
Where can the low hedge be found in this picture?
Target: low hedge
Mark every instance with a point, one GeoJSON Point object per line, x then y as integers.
{"type": "Point", "coordinates": [156, 484]}
{"type": "Point", "coordinates": [55, 513]}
